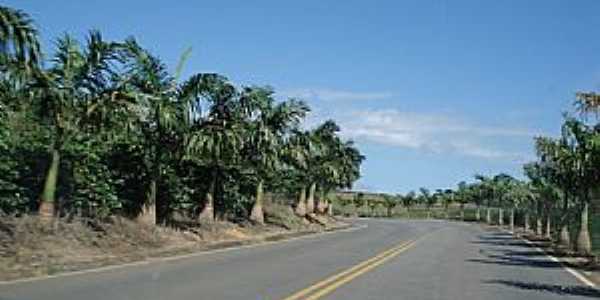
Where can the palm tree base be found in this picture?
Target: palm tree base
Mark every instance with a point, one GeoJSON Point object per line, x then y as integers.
{"type": "Point", "coordinates": [564, 239]}
{"type": "Point", "coordinates": [257, 214]}
{"type": "Point", "coordinates": [584, 245]}
{"type": "Point", "coordinates": [46, 210]}
{"type": "Point", "coordinates": [300, 209]}
{"type": "Point", "coordinates": [207, 214]}
{"type": "Point", "coordinates": [148, 215]}
{"type": "Point", "coordinates": [321, 206]}
{"type": "Point", "coordinates": [310, 206]}
{"type": "Point", "coordinates": [548, 233]}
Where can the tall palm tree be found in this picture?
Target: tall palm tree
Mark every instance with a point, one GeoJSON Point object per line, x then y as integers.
{"type": "Point", "coordinates": [487, 187]}
{"type": "Point", "coordinates": [557, 165]}
{"type": "Point", "coordinates": [268, 126]}
{"type": "Point", "coordinates": [581, 139]}
{"type": "Point", "coordinates": [335, 163]}
{"type": "Point", "coordinates": [217, 138]}
{"type": "Point", "coordinates": [156, 98]}
{"type": "Point", "coordinates": [298, 150]}
{"type": "Point", "coordinates": [19, 41]}
{"type": "Point", "coordinates": [70, 92]}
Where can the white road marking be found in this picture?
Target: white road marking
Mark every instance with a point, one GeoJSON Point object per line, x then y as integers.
{"type": "Point", "coordinates": [178, 257]}
{"type": "Point", "coordinates": [573, 272]}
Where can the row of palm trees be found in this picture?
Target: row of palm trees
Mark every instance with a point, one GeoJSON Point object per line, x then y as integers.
{"type": "Point", "coordinates": [561, 184]}
{"type": "Point", "coordinates": [553, 201]}
{"type": "Point", "coordinates": [102, 127]}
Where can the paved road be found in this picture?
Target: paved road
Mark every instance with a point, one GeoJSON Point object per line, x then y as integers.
{"type": "Point", "coordinates": [445, 261]}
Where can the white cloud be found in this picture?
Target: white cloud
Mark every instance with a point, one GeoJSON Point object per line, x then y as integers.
{"type": "Point", "coordinates": [335, 95]}
{"type": "Point", "coordinates": [429, 132]}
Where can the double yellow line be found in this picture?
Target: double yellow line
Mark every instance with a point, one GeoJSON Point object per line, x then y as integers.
{"type": "Point", "coordinates": [330, 284]}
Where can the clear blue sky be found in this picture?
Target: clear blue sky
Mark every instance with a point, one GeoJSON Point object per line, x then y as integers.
{"type": "Point", "coordinates": [433, 91]}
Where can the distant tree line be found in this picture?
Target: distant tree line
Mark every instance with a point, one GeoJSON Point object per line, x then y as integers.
{"type": "Point", "coordinates": [554, 201]}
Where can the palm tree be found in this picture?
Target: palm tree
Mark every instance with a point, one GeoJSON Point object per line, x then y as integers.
{"type": "Point", "coordinates": [346, 160]}
{"type": "Point", "coordinates": [158, 110]}
{"type": "Point", "coordinates": [325, 162]}
{"type": "Point", "coordinates": [340, 166]}
{"type": "Point", "coordinates": [501, 187]}
{"type": "Point", "coordinates": [429, 200]}
{"type": "Point", "coordinates": [545, 190]}
{"type": "Point", "coordinates": [463, 197]}
{"type": "Point", "coordinates": [569, 162]}
{"type": "Point", "coordinates": [297, 151]}
{"type": "Point", "coordinates": [408, 201]}
{"type": "Point", "coordinates": [216, 139]}
{"type": "Point", "coordinates": [390, 202]}
{"type": "Point", "coordinates": [69, 93]}
{"type": "Point", "coordinates": [557, 165]}
{"type": "Point", "coordinates": [19, 41]}
{"type": "Point", "coordinates": [268, 126]}
{"type": "Point", "coordinates": [581, 139]}
{"type": "Point", "coordinates": [487, 187]}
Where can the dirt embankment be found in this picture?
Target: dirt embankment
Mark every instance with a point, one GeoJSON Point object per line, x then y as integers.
{"type": "Point", "coordinates": [30, 247]}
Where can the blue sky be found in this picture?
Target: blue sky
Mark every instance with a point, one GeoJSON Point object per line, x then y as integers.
{"type": "Point", "coordinates": [432, 91]}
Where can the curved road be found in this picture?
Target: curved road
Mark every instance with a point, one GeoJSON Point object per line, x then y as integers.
{"type": "Point", "coordinates": [383, 259]}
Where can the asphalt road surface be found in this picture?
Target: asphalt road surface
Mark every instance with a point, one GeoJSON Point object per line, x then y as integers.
{"type": "Point", "coordinates": [382, 259]}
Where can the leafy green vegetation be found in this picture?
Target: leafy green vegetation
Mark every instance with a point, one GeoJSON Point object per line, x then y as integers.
{"type": "Point", "coordinates": [103, 128]}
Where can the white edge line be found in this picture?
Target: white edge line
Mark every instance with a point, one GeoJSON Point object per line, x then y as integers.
{"type": "Point", "coordinates": [178, 257]}
{"type": "Point", "coordinates": [573, 272]}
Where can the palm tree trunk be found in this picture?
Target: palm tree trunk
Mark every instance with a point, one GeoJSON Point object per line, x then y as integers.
{"type": "Point", "coordinates": [538, 226]}
{"type": "Point", "coordinates": [208, 212]}
{"type": "Point", "coordinates": [147, 215]}
{"type": "Point", "coordinates": [48, 197]}
{"type": "Point", "coordinates": [301, 205]}
{"type": "Point", "coordinates": [462, 212]}
{"type": "Point", "coordinates": [330, 208]}
{"type": "Point", "coordinates": [584, 244]}
{"type": "Point", "coordinates": [526, 222]}
{"type": "Point", "coordinates": [548, 227]}
{"type": "Point", "coordinates": [488, 216]}
{"type": "Point", "coordinates": [500, 216]}
{"type": "Point", "coordinates": [310, 200]}
{"type": "Point", "coordinates": [565, 238]}
{"type": "Point", "coordinates": [257, 214]}
{"type": "Point", "coordinates": [477, 214]}
{"type": "Point", "coordinates": [512, 220]}
{"type": "Point", "coordinates": [321, 205]}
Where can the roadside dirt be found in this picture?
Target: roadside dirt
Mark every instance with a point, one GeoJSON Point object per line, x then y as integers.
{"type": "Point", "coordinates": [30, 247]}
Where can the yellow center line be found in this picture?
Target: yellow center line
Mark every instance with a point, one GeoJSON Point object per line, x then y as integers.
{"type": "Point", "coordinates": [330, 284]}
{"type": "Point", "coordinates": [356, 269]}
{"type": "Point", "coordinates": [360, 272]}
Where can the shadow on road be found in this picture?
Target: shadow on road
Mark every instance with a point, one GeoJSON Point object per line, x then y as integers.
{"type": "Point", "coordinates": [527, 253]}
{"type": "Point", "coordinates": [502, 242]}
{"type": "Point", "coordinates": [503, 249]}
{"type": "Point", "coordinates": [516, 261]}
{"type": "Point", "coordinates": [549, 288]}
